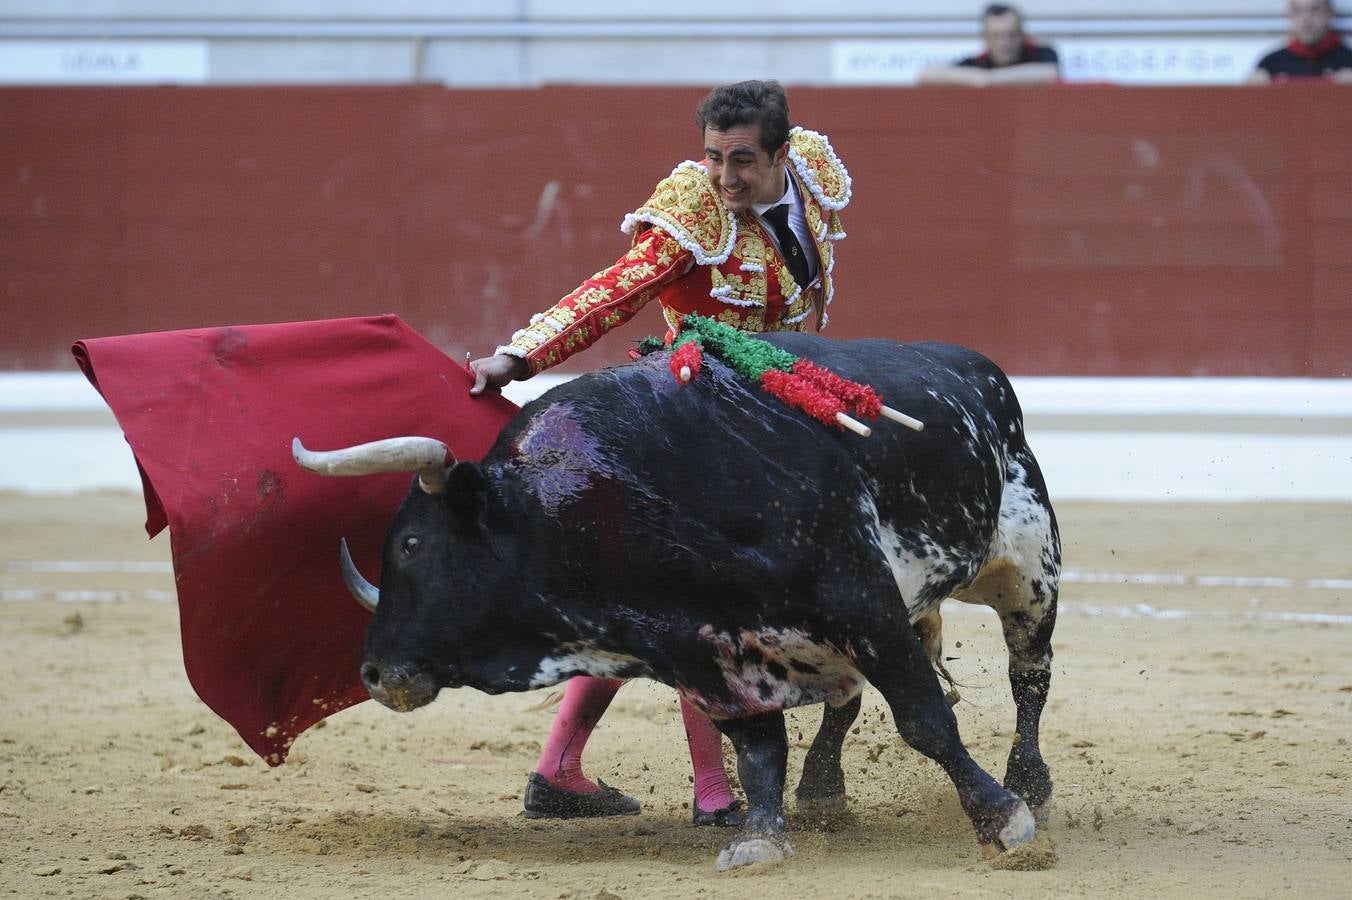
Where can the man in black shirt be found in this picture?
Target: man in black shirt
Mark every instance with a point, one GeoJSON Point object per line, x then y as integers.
{"type": "Point", "coordinates": [1315, 49]}
{"type": "Point", "coordinates": [1010, 57]}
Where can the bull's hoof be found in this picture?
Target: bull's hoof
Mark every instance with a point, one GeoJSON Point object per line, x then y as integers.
{"type": "Point", "coordinates": [820, 798]}
{"type": "Point", "coordinates": [823, 813]}
{"type": "Point", "coordinates": [816, 798]}
{"type": "Point", "coordinates": [750, 851]}
{"type": "Point", "coordinates": [1018, 829]}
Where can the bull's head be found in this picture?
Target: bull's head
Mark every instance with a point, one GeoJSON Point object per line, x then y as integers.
{"type": "Point", "coordinates": [414, 642]}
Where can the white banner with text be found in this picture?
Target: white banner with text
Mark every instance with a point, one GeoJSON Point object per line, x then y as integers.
{"type": "Point", "coordinates": [103, 62]}
{"type": "Point", "coordinates": [1129, 61]}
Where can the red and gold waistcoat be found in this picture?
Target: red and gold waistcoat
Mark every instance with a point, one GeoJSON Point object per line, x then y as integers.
{"type": "Point", "coordinates": [696, 256]}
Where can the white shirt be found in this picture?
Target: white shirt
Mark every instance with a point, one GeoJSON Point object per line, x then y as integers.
{"type": "Point", "coordinates": [797, 221]}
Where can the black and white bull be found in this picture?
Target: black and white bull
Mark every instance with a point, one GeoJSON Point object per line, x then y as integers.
{"type": "Point", "coordinates": [707, 536]}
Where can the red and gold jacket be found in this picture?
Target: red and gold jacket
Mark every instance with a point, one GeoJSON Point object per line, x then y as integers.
{"type": "Point", "coordinates": [696, 256]}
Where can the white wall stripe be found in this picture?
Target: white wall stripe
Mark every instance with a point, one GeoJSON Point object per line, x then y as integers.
{"type": "Point", "coordinates": [1278, 460]}
{"type": "Point", "coordinates": [1299, 398]}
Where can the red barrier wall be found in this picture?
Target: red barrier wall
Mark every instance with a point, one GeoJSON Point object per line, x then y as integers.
{"type": "Point", "coordinates": [1069, 230]}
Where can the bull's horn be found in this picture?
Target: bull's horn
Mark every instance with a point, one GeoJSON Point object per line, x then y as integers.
{"type": "Point", "coordinates": [428, 457]}
{"type": "Point", "coordinates": [366, 593]}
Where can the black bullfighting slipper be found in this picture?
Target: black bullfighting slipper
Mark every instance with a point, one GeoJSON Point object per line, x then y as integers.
{"type": "Point", "coordinates": [545, 801]}
{"type": "Point", "coordinates": [729, 816]}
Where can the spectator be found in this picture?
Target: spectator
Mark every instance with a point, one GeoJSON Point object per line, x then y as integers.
{"type": "Point", "coordinates": [1010, 57]}
{"type": "Point", "coordinates": [1315, 49]}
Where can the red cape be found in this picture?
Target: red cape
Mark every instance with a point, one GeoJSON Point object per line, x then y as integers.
{"type": "Point", "coordinates": [272, 640]}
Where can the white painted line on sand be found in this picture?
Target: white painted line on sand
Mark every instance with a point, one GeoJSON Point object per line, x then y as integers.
{"type": "Point", "coordinates": [1146, 611]}
{"type": "Point", "coordinates": [1072, 576]}
{"type": "Point", "coordinates": [1133, 611]}
{"type": "Point", "coordinates": [32, 595]}
{"type": "Point", "coordinates": [87, 565]}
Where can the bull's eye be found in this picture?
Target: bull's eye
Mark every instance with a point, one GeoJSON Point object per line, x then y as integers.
{"type": "Point", "coordinates": [410, 546]}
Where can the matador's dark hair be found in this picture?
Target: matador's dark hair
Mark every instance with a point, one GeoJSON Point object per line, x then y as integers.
{"type": "Point", "coordinates": [762, 103]}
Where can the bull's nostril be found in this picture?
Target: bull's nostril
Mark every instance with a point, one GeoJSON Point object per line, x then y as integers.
{"type": "Point", "coordinates": [370, 675]}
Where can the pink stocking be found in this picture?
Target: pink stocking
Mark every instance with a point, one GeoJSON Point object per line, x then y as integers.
{"type": "Point", "coordinates": [584, 702]}
{"type": "Point", "coordinates": [712, 791]}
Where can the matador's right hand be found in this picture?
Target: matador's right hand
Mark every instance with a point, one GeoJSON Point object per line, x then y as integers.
{"type": "Point", "coordinates": [492, 372]}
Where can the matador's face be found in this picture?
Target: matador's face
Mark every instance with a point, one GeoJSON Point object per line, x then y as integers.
{"type": "Point", "coordinates": [740, 169]}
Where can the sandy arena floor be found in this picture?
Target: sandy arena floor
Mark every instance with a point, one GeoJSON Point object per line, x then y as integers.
{"type": "Point", "coordinates": [1202, 750]}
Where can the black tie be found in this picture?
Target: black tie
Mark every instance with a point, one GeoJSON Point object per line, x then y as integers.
{"type": "Point", "coordinates": [794, 258]}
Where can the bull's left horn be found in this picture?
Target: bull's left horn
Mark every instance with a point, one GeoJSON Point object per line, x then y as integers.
{"type": "Point", "coordinates": [429, 457]}
{"type": "Point", "coordinates": [366, 593]}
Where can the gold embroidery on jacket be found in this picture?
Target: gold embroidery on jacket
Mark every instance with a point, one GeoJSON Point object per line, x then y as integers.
{"type": "Point", "coordinates": [685, 205]}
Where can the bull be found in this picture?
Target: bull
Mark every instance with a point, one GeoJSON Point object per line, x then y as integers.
{"type": "Point", "coordinates": [706, 535]}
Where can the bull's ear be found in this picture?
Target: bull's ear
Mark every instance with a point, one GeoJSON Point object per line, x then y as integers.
{"type": "Point", "coordinates": [466, 490]}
